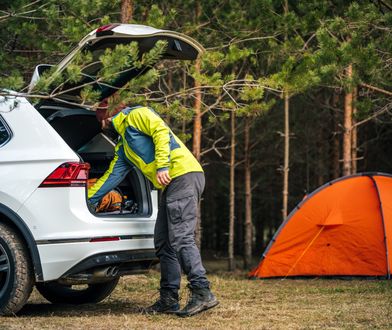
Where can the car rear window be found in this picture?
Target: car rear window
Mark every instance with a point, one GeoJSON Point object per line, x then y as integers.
{"type": "Point", "coordinates": [5, 132]}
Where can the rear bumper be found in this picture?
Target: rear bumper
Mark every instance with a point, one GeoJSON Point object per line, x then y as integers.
{"type": "Point", "coordinates": [61, 259]}
{"type": "Point", "coordinates": [128, 262]}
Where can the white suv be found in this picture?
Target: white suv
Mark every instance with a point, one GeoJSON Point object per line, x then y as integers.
{"type": "Point", "coordinates": [48, 235]}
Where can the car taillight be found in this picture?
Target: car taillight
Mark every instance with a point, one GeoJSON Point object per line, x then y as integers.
{"type": "Point", "coordinates": [105, 29]}
{"type": "Point", "coordinates": [68, 175]}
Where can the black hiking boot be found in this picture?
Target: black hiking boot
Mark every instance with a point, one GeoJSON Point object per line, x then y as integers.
{"type": "Point", "coordinates": [167, 303]}
{"type": "Point", "coordinates": [200, 300]}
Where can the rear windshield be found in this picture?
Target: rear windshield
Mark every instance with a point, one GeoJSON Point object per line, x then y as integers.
{"type": "Point", "coordinates": [5, 132]}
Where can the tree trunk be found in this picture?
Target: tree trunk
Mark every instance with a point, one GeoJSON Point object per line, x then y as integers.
{"type": "Point", "coordinates": [239, 216]}
{"type": "Point", "coordinates": [354, 135]}
{"type": "Point", "coordinates": [169, 91]}
{"type": "Point", "coordinates": [320, 161]}
{"type": "Point", "coordinates": [126, 11]}
{"type": "Point", "coordinates": [232, 195]}
{"type": "Point", "coordinates": [248, 199]}
{"type": "Point", "coordinates": [183, 124]}
{"type": "Point", "coordinates": [197, 127]}
{"type": "Point", "coordinates": [321, 150]}
{"type": "Point", "coordinates": [336, 140]}
{"type": "Point", "coordinates": [348, 117]}
{"type": "Point", "coordinates": [286, 167]}
{"type": "Point", "coordinates": [286, 137]}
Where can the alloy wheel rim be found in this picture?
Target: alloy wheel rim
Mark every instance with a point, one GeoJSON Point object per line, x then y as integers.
{"type": "Point", "coordinates": [4, 270]}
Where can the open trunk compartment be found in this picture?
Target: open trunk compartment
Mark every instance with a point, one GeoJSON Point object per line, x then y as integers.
{"type": "Point", "coordinates": [81, 131]}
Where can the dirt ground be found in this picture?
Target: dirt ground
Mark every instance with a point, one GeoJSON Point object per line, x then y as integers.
{"type": "Point", "coordinates": [244, 304]}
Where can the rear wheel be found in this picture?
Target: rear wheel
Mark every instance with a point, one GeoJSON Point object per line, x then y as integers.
{"type": "Point", "coordinates": [76, 294]}
{"type": "Point", "coordinates": [16, 272]}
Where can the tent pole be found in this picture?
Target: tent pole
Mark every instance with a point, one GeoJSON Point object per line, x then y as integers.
{"type": "Point", "coordinates": [383, 224]}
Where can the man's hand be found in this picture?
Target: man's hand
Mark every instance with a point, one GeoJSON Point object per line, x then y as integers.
{"type": "Point", "coordinates": [163, 177]}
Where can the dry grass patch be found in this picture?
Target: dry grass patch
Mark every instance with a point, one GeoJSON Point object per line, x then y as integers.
{"type": "Point", "coordinates": [245, 304]}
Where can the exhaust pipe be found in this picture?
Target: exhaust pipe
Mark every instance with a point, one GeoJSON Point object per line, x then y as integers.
{"type": "Point", "coordinates": [106, 272]}
{"type": "Point", "coordinates": [100, 275]}
{"type": "Point", "coordinates": [114, 271]}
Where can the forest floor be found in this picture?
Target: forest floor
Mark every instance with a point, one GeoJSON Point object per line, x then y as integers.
{"type": "Point", "coordinates": [244, 304]}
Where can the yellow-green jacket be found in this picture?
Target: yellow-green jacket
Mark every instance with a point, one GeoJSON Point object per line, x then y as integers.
{"type": "Point", "coordinates": [147, 143]}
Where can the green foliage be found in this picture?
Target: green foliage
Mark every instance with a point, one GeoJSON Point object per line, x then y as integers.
{"type": "Point", "coordinates": [156, 18]}
{"type": "Point", "coordinates": [236, 54]}
{"type": "Point", "coordinates": [351, 38]}
{"type": "Point", "coordinates": [73, 72]}
{"type": "Point", "coordinates": [178, 111]}
{"type": "Point", "coordinates": [143, 80]}
{"type": "Point", "coordinates": [13, 82]}
{"type": "Point", "coordinates": [225, 116]}
{"type": "Point", "coordinates": [129, 59]}
{"type": "Point", "coordinates": [151, 58]}
{"type": "Point", "coordinates": [47, 79]}
{"type": "Point", "coordinates": [364, 107]}
{"type": "Point", "coordinates": [89, 96]}
{"type": "Point", "coordinates": [251, 93]}
{"type": "Point", "coordinates": [212, 60]}
{"type": "Point", "coordinates": [255, 109]}
{"type": "Point", "coordinates": [118, 59]}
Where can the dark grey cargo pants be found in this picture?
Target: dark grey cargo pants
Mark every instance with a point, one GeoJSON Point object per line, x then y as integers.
{"type": "Point", "coordinates": [175, 232]}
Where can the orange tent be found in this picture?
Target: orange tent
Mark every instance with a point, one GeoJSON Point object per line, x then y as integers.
{"type": "Point", "coordinates": [344, 228]}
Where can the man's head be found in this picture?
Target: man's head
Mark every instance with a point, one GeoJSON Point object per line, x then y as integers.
{"type": "Point", "coordinates": [104, 116]}
{"type": "Point", "coordinates": [102, 113]}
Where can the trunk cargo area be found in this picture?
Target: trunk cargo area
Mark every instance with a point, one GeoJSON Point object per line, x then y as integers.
{"type": "Point", "coordinates": [82, 132]}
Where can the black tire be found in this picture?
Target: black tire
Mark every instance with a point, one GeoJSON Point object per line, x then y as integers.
{"type": "Point", "coordinates": [16, 272]}
{"type": "Point", "coordinates": [61, 294]}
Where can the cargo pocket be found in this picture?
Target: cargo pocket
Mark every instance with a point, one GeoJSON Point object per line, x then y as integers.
{"type": "Point", "coordinates": [182, 209]}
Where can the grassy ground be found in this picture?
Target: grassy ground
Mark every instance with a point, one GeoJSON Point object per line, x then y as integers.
{"type": "Point", "coordinates": [244, 304]}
